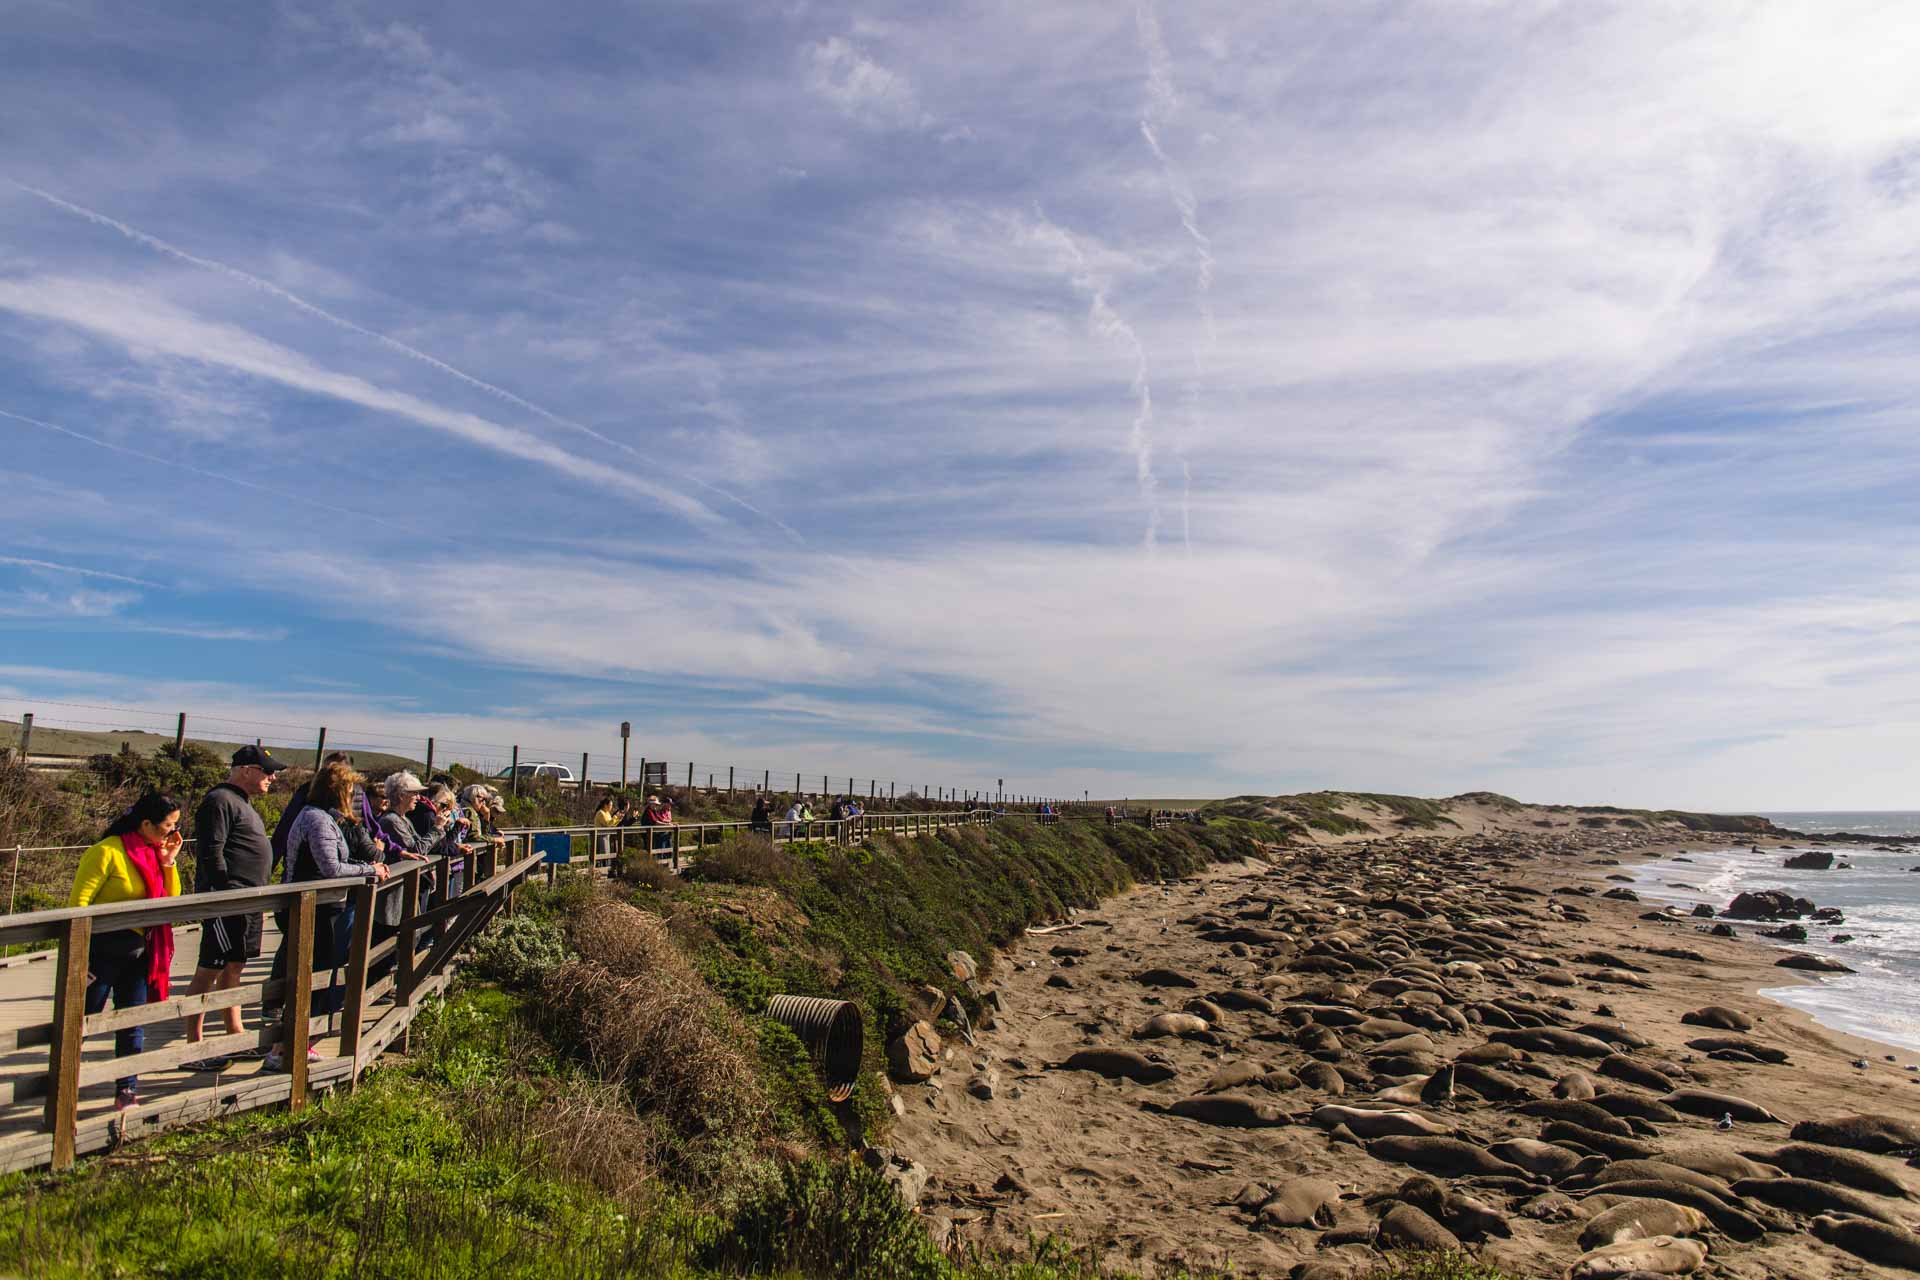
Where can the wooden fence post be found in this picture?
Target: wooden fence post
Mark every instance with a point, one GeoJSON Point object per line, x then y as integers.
{"type": "Point", "coordinates": [26, 738]}
{"type": "Point", "coordinates": [299, 1006]}
{"type": "Point", "coordinates": [429, 777]}
{"type": "Point", "coordinates": [514, 772]}
{"type": "Point", "coordinates": [689, 777]}
{"type": "Point", "coordinates": [729, 782]}
{"type": "Point", "coordinates": [363, 899]}
{"type": "Point", "coordinates": [179, 735]}
{"type": "Point", "coordinates": [583, 773]}
{"type": "Point", "coordinates": [69, 1024]}
{"type": "Point", "coordinates": [319, 748]}
{"type": "Point", "coordinates": [409, 937]}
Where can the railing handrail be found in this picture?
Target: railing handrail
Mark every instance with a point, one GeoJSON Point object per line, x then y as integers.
{"type": "Point", "coordinates": [778, 818]}
{"type": "Point", "coordinates": [34, 926]}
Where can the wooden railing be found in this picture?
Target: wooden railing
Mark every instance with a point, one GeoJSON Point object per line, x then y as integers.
{"type": "Point", "coordinates": [381, 987]}
{"type": "Point", "coordinates": [605, 845]}
{"type": "Point", "coordinates": [374, 1011]}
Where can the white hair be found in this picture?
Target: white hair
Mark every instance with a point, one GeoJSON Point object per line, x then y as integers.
{"type": "Point", "coordinates": [399, 784]}
{"type": "Point", "coordinates": [441, 793]}
{"type": "Point", "coordinates": [476, 793]}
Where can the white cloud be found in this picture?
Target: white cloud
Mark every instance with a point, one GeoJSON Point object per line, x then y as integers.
{"type": "Point", "coordinates": [859, 87]}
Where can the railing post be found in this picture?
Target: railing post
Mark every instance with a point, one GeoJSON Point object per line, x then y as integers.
{"type": "Point", "coordinates": [676, 848]}
{"type": "Point", "coordinates": [69, 1024]}
{"type": "Point", "coordinates": [13, 883]}
{"type": "Point", "coordinates": [363, 899]}
{"type": "Point", "coordinates": [409, 934]}
{"type": "Point", "coordinates": [299, 1006]}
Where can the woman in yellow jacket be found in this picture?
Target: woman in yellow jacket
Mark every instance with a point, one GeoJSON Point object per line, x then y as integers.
{"type": "Point", "coordinates": [136, 858]}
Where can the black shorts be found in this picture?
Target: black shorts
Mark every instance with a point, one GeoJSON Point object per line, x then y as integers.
{"type": "Point", "coordinates": [226, 940]}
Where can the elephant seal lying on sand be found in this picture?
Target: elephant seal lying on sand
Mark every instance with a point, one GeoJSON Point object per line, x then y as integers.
{"type": "Point", "coordinates": [1703, 1102]}
{"type": "Point", "coordinates": [1826, 1164]}
{"type": "Point", "coordinates": [1880, 1135]}
{"type": "Point", "coordinates": [1874, 1241]}
{"type": "Point", "coordinates": [1378, 1124]}
{"type": "Point", "coordinates": [1660, 1256]}
{"type": "Point", "coordinates": [1641, 1220]}
{"type": "Point", "coordinates": [1231, 1109]}
{"type": "Point", "coordinates": [1803, 1196]}
{"type": "Point", "coordinates": [1118, 1064]}
{"type": "Point", "coordinates": [1447, 1156]}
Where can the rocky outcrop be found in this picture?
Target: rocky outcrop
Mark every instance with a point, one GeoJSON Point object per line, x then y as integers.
{"type": "Point", "coordinates": [914, 1056]}
{"type": "Point", "coordinates": [1768, 904]}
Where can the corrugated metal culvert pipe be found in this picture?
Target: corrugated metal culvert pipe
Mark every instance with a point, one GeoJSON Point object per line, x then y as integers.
{"type": "Point", "coordinates": [833, 1034]}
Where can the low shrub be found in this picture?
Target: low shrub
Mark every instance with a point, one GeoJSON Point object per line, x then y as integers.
{"type": "Point", "coordinates": [828, 1218]}
{"type": "Point", "coordinates": [746, 859]}
{"type": "Point", "coordinates": [518, 952]}
{"type": "Point", "coordinates": [634, 1007]}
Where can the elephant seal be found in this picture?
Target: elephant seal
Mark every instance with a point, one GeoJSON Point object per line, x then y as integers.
{"type": "Point", "coordinates": [1229, 1109]}
{"type": "Point", "coordinates": [1234, 1077]}
{"type": "Point", "coordinates": [1828, 1164]}
{"type": "Point", "coordinates": [1118, 1064]}
{"type": "Point", "coordinates": [1615, 1034]}
{"type": "Point", "coordinates": [1405, 1227]}
{"type": "Point", "coordinates": [1318, 1075]}
{"type": "Point", "coordinates": [1551, 1206]}
{"type": "Point", "coordinates": [1584, 1114]}
{"type": "Point", "coordinates": [1719, 1018]}
{"type": "Point", "coordinates": [1637, 1170]}
{"type": "Point", "coordinates": [1245, 1001]}
{"type": "Point", "coordinates": [1465, 1216]}
{"type": "Point", "coordinates": [1640, 1220]}
{"type": "Point", "coordinates": [1620, 1067]}
{"type": "Point", "coordinates": [1880, 1135]}
{"type": "Point", "coordinates": [1491, 1054]}
{"type": "Point", "coordinates": [1576, 1086]}
{"type": "Point", "coordinates": [1438, 1089]}
{"type": "Point", "coordinates": [1734, 1221]}
{"type": "Point", "coordinates": [1378, 1124]}
{"type": "Point", "coordinates": [1659, 1256]}
{"type": "Point", "coordinates": [1874, 1241]}
{"type": "Point", "coordinates": [1448, 1156]}
{"type": "Point", "coordinates": [1299, 1202]}
{"type": "Point", "coordinates": [1570, 1044]}
{"type": "Point", "coordinates": [1567, 1133]}
{"type": "Point", "coordinates": [1738, 1044]}
{"type": "Point", "coordinates": [1704, 1102]}
{"type": "Point", "coordinates": [1544, 1158]}
{"type": "Point", "coordinates": [1169, 1024]}
{"type": "Point", "coordinates": [1207, 1010]}
{"type": "Point", "coordinates": [1491, 1085]}
{"type": "Point", "coordinates": [1163, 978]}
{"type": "Point", "coordinates": [1713, 1161]}
{"type": "Point", "coordinates": [1632, 1106]}
{"type": "Point", "coordinates": [1803, 1196]}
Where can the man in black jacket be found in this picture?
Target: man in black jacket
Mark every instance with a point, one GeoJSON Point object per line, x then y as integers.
{"type": "Point", "coordinates": [231, 851]}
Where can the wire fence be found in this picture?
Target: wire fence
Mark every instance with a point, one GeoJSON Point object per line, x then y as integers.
{"type": "Point", "coordinates": [43, 729]}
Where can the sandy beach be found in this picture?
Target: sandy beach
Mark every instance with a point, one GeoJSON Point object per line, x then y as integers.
{"type": "Point", "coordinates": [1370, 974]}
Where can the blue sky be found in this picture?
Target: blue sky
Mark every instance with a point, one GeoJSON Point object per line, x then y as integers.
{"type": "Point", "coordinates": [1196, 399]}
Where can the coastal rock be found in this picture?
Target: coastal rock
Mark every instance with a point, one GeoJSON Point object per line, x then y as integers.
{"type": "Point", "coordinates": [1768, 904]}
{"type": "Point", "coordinates": [1813, 860]}
{"type": "Point", "coordinates": [915, 1055]}
{"type": "Point", "coordinates": [908, 1179]}
{"type": "Point", "coordinates": [1787, 933]}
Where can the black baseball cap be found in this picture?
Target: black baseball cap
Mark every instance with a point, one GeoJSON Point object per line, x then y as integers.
{"type": "Point", "coordinates": [259, 757]}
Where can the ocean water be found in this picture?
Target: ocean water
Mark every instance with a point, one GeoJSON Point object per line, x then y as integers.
{"type": "Point", "coordinates": [1880, 895]}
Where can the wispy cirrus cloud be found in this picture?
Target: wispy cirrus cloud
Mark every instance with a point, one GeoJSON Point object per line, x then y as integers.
{"type": "Point", "coordinates": [1534, 383]}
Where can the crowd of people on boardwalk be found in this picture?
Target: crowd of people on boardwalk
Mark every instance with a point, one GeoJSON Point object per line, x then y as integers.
{"type": "Point", "coordinates": [333, 826]}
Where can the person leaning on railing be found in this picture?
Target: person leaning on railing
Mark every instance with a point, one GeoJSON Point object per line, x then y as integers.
{"type": "Point", "coordinates": [137, 858]}
{"type": "Point", "coordinates": [326, 842]}
{"type": "Point", "coordinates": [761, 819]}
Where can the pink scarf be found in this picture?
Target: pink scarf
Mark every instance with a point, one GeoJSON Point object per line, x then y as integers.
{"type": "Point", "coordinates": [145, 858]}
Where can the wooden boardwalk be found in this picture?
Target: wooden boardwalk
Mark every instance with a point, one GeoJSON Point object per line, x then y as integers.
{"type": "Point", "coordinates": [57, 1064]}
